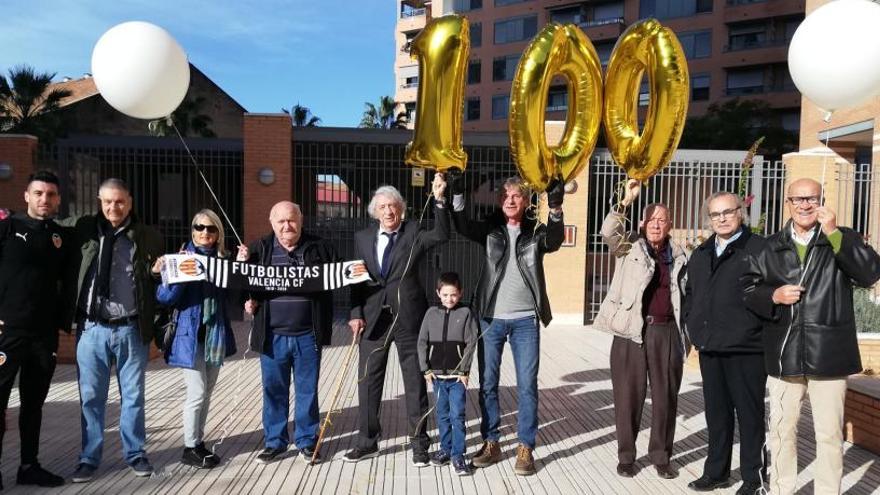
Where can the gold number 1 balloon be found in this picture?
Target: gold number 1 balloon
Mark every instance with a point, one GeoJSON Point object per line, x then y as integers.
{"type": "Point", "coordinates": [565, 51]}
{"type": "Point", "coordinates": [645, 46]}
{"type": "Point", "coordinates": [442, 50]}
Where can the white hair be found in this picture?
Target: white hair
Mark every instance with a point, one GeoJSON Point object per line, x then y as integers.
{"type": "Point", "coordinates": [391, 193]}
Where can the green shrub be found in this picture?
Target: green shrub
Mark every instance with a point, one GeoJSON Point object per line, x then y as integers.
{"type": "Point", "coordinates": [867, 311]}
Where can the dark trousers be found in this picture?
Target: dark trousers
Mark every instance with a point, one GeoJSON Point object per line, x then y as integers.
{"type": "Point", "coordinates": [658, 360]}
{"type": "Point", "coordinates": [36, 360]}
{"type": "Point", "coordinates": [733, 388]}
{"type": "Point", "coordinates": [373, 359]}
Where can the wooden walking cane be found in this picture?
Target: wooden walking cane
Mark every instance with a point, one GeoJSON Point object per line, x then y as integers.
{"type": "Point", "coordinates": [339, 383]}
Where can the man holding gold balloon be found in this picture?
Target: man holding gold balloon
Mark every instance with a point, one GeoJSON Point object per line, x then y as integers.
{"type": "Point", "coordinates": [643, 310]}
{"type": "Point", "coordinates": [511, 302]}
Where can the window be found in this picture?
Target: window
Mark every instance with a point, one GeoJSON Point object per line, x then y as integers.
{"type": "Point", "coordinates": [666, 9]}
{"type": "Point", "coordinates": [557, 99]}
{"type": "Point", "coordinates": [501, 3]}
{"type": "Point", "coordinates": [410, 112]}
{"type": "Point", "coordinates": [476, 32]}
{"type": "Point", "coordinates": [472, 109]}
{"type": "Point", "coordinates": [744, 82]}
{"type": "Point", "coordinates": [512, 30]}
{"type": "Point", "coordinates": [696, 44]}
{"type": "Point", "coordinates": [604, 51]}
{"type": "Point", "coordinates": [411, 81]}
{"type": "Point", "coordinates": [409, 76]}
{"type": "Point", "coordinates": [644, 93]}
{"type": "Point", "coordinates": [571, 15]}
{"type": "Point", "coordinates": [791, 26]}
{"type": "Point", "coordinates": [504, 68]}
{"type": "Point", "coordinates": [500, 106]}
{"type": "Point", "coordinates": [473, 76]}
{"type": "Point", "coordinates": [700, 87]}
{"type": "Point", "coordinates": [467, 5]}
{"type": "Point", "coordinates": [791, 121]}
{"type": "Point", "coordinates": [745, 36]}
{"type": "Point", "coordinates": [608, 11]}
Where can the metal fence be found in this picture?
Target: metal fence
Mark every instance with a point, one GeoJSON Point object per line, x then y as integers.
{"type": "Point", "coordinates": [683, 185]}
{"type": "Point", "coordinates": [166, 186]}
{"type": "Point", "coordinates": [858, 200]}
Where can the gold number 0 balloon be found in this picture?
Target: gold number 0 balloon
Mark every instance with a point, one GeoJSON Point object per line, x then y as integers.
{"type": "Point", "coordinates": [442, 50]}
{"type": "Point", "coordinates": [556, 50]}
{"type": "Point", "coordinates": [645, 46]}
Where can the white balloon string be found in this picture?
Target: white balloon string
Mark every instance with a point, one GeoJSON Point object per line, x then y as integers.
{"type": "Point", "coordinates": [205, 180]}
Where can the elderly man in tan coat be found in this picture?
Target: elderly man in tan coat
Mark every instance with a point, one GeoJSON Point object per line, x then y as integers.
{"type": "Point", "coordinates": [643, 311]}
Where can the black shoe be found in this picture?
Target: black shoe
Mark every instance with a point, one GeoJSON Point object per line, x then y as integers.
{"type": "Point", "coordinates": [462, 466]}
{"type": "Point", "coordinates": [34, 474]}
{"type": "Point", "coordinates": [141, 467]}
{"type": "Point", "coordinates": [666, 471]}
{"type": "Point", "coordinates": [84, 473]}
{"type": "Point", "coordinates": [707, 484]}
{"type": "Point", "coordinates": [199, 457]}
{"type": "Point", "coordinates": [357, 454]}
{"type": "Point", "coordinates": [308, 453]}
{"type": "Point", "coordinates": [626, 470]}
{"type": "Point", "coordinates": [420, 459]}
{"type": "Point", "coordinates": [440, 458]}
{"type": "Point", "coordinates": [749, 488]}
{"type": "Point", "coordinates": [270, 455]}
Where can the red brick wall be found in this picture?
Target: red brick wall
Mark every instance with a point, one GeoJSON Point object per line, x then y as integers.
{"type": "Point", "coordinates": [862, 420]}
{"type": "Point", "coordinates": [267, 144]}
{"type": "Point", "coordinates": [20, 151]}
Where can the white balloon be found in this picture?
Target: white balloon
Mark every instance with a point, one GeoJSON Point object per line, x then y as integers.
{"type": "Point", "coordinates": [140, 70]}
{"type": "Point", "coordinates": [834, 56]}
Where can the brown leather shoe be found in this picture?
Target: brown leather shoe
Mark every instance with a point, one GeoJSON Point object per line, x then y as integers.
{"type": "Point", "coordinates": [666, 471]}
{"type": "Point", "coordinates": [489, 454]}
{"type": "Point", "coordinates": [525, 463]}
{"type": "Point", "coordinates": [626, 470]}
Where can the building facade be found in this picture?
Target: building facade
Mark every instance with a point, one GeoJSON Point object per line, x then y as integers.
{"type": "Point", "coordinates": [735, 48]}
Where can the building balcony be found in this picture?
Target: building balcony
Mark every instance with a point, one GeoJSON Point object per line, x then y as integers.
{"type": "Point", "coordinates": [744, 54]}
{"type": "Point", "coordinates": [744, 10]}
{"type": "Point", "coordinates": [407, 13]}
{"type": "Point", "coordinates": [603, 29]}
{"type": "Point", "coordinates": [751, 44]}
{"type": "Point", "coordinates": [761, 89]}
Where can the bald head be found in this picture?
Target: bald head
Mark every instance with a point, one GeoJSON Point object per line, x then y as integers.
{"type": "Point", "coordinates": [286, 220]}
{"type": "Point", "coordinates": [804, 187]}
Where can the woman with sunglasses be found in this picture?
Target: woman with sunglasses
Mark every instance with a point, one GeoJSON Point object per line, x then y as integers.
{"type": "Point", "coordinates": [203, 338]}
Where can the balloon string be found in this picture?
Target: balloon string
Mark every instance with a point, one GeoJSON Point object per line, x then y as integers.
{"type": "Point", "coordinates": [205, 180]}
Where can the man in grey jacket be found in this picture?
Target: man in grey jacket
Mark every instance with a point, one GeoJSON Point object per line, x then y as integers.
{"type": "Point", "coordinates": [643, 311]}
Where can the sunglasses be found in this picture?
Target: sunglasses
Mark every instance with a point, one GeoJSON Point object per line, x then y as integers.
{"type": "Point", "coordinates": [212, 229]}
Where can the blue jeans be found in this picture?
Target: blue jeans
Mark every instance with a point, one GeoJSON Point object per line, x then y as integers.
{"type": "Point", "coordinates": [525, 342]}
{"type": "Point", "coordinates": [97, 348]}
{"type": "Point", "coordinates": [300, 356]}
{"type": "Point", "coordinates": [451, 396]}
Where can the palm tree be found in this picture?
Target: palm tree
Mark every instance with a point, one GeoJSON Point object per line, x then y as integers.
{"type": "Point", "coordinates": [28, 106]}
{"type": "Point", "coordinates": [188, 118]}
{"type": "Point", "coordinates": [302, 116]}
{"type": "Point", "coordinates": [382, 116]}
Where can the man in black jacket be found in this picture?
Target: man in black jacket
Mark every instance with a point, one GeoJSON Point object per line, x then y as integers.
{"type": "Point", "coordinates": [391, 308]}
{"type": "Point", "coordinates": [801, 285]}
{"type": "Point", "coordinates": [37, 291]}
{"type": "Point", "coordinates": [511, 302]}
{"type": "Point", "coordinates": [288, 332]}
{"type": "Point", "coordinates": [728, 338]}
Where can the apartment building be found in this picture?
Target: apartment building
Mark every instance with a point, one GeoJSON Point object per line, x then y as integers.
{"type": "Point", "coordinates": [735, 48]}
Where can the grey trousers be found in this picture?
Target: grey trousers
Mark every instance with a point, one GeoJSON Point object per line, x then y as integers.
{"type": "Point", "coordinates": [199, 385]}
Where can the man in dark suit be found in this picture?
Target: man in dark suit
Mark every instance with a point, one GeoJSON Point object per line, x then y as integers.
{"type": "Point", "coordinates": [391, 309]}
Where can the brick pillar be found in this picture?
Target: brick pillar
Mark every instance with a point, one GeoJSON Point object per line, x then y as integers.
{"type": "Point", "coordinates": [267, 145]}
{"type": "Point", "coordinates": [20, 152]}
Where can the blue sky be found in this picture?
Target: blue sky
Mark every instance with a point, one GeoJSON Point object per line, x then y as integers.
{"type": "Point", "coordinates": [329, 55]}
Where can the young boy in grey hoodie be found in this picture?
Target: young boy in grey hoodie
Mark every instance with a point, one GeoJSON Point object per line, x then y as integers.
{"type": "Point", "coordinates": [447, 341]}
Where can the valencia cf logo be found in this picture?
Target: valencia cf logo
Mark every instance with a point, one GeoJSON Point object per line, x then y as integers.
{"type": "Point", "coordinates": [192, 267]}
{"type": "Point", "coordinates": [56, 241]}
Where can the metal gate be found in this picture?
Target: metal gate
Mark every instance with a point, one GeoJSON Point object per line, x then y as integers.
{"type": "Point", "coordinates": [683, 186]}
{"type": "Point", "coordinates": [165, 185]}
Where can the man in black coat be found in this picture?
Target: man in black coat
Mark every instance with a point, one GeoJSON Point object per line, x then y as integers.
{"type": "Point", "coordinates": [391, 309]}
{"type": "Point", "coordinates": [288, 332]}
{"type": "Point", "coordinates": [38, 268]}
{"type": "Point", "coordinates": [728, 338]}
{"type": "Point", "coordinates": [801, 284]}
